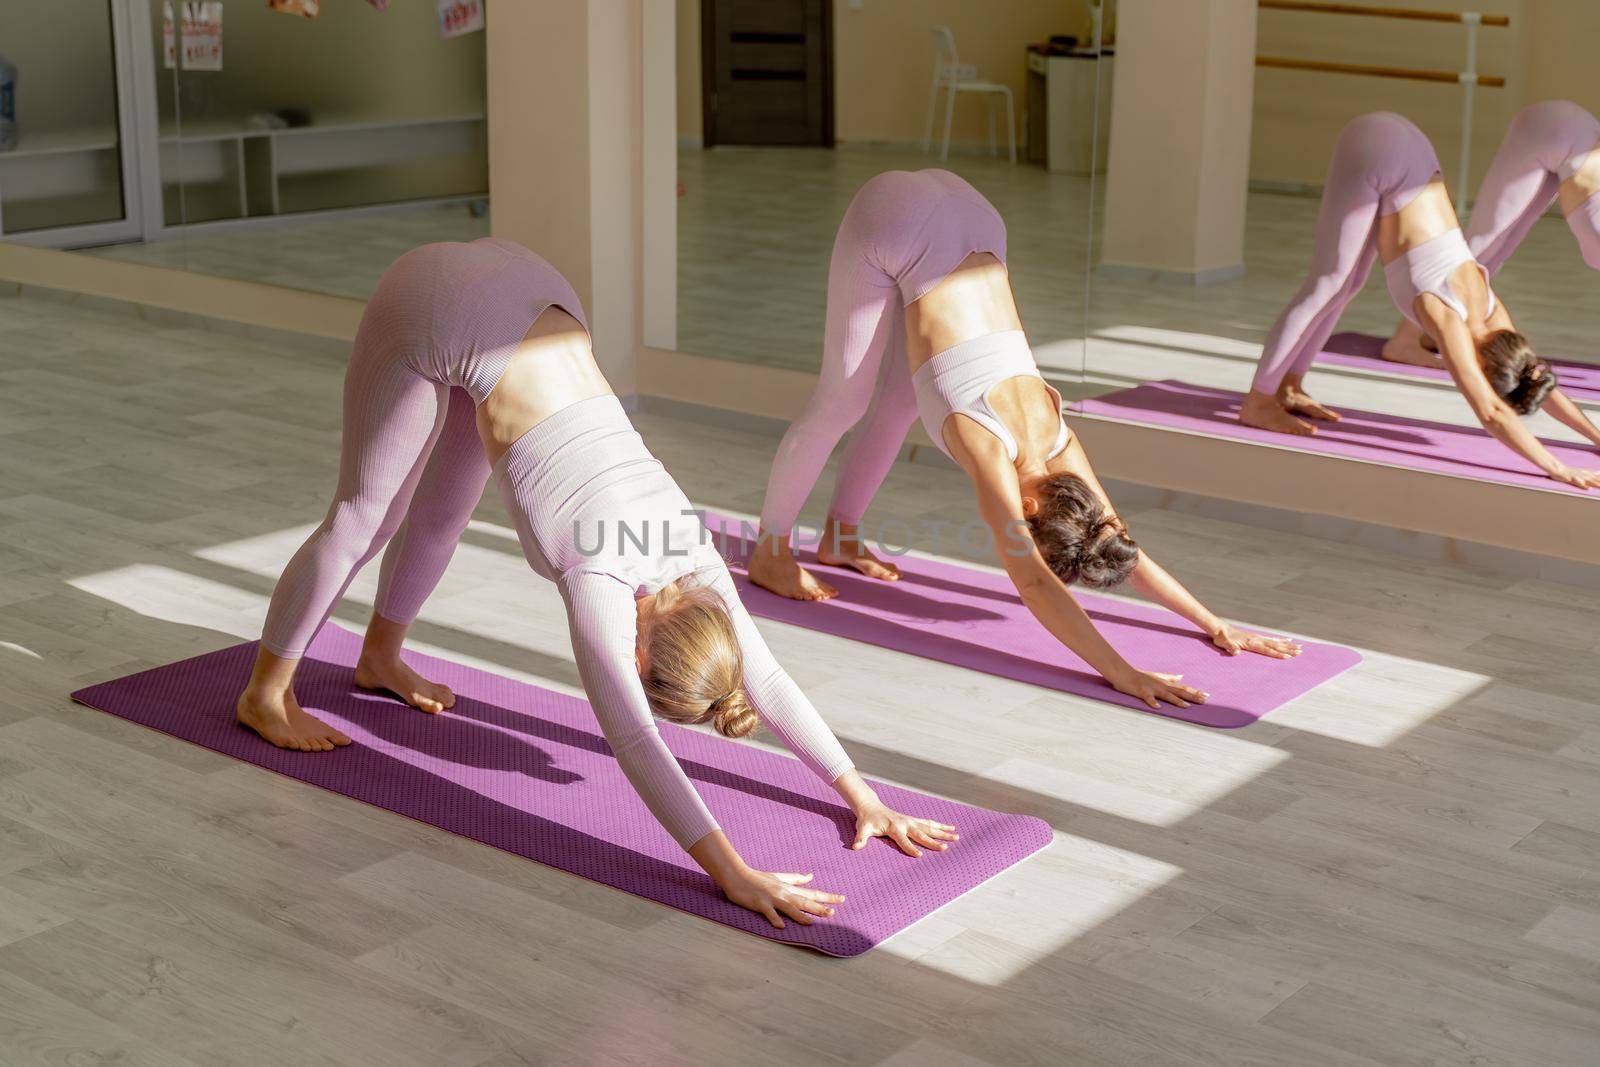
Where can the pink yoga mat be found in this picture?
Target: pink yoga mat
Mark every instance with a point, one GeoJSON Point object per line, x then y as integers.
{"type": "Point", "coordinates": [527, 770]}
{"type": "Point", "coordinates": [1579, 380]}
{"type": "Point", "coordinates": [1389, 439]}
{"type": "Point", "coordinates": [973, 618]}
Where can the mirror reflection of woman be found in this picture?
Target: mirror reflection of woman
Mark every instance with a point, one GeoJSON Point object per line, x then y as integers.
{"type": "Point", "coordinates": [921, 322]}
{"type": "Point", "coordinates": [1383, 199]}
{"type": "Point", "coordinates": [474, 359]}
{"type": "Point", "coordinates": [1549, 155]}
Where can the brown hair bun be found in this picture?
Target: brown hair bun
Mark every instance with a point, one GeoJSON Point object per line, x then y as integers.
{"type": "Point", "coordinates": [1079, 542]}
{"type": "Point", "coordinates": [1515, 372]}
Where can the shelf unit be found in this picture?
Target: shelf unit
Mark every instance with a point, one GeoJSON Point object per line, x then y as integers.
{"type": "Point", "coordinates": [255, 160]}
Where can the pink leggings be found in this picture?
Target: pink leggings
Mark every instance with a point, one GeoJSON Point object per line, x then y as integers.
{"type": "Point", "coordinates": [903, 233]}
{"type": "Point", "coordinates": [1381, 161]}
{"type": "Point", "coordinates": [1544, 146]}
{"type": "Point", "coordinates": [434, 340]}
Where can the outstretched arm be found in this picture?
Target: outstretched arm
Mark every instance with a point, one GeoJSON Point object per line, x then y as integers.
{"type": "Point", "coordinates": [1043, 594]}
{"type": "Point", "coordinates": [1493, 413]}
{"type": "Point", "coordinates": [1151, 579]}
{"type": "Point", "coordinates": [604, 625]}
{"type": "Point", "coordinates": [1564, 411]}
{"type": "Point", "coordinates": [787, 712]}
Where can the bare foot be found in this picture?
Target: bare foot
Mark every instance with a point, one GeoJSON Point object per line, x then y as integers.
{"type": "Point", "coordinates": [781, 573]}
{"type": "Point", "coordinates": [841, 546]}
{"type": "Point", "coordinates": [282, 722]}
{"type": "Point", "coordinates": [1265, 413]}
{"type": "Point", "coordinates": [1411, 346]}
{"type": "Point", "coordinates": [392, 675]}
{"type": "Point", "coordinates": [1297, 401]}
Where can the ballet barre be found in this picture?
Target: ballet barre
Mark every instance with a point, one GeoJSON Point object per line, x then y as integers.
{"type": "Point", "coordinates": [1381, 12]}
{"type": "Point", "coordinates": [1468, 77]}
{"type": "Point", "coordinates": [1488, 81]}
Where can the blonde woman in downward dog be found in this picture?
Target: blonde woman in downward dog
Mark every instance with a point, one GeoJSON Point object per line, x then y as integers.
{"type": "Point", "coordinates": [474, 360]}
{"type": "Point", "coordinates": [1550, 156]}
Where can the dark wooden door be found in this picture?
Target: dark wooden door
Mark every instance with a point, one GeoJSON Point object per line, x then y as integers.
{"type": "Point", "coordinates": [767, 71]}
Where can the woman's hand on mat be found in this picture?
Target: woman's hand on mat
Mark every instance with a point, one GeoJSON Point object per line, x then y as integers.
{"type": "Point", "coordinates": [1233, 641]}
{"type": "Point", "coordinates": [1577, 476]}
{"type": "Point", "coordinates": [1153, 688]}
{"type": "Point", "coordinates": [911, 834]}
{"type": "Point", "coordinates": [779, 895]}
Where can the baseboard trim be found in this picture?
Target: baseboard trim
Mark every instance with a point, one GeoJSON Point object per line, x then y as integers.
{"type": "Point", "coordinates": [208, 299]}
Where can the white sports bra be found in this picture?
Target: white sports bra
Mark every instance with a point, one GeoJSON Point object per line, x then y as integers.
{"type": "Point", "coordinates": [958, 381]}
{"type": "Point", "coordinates": [1426, 268]}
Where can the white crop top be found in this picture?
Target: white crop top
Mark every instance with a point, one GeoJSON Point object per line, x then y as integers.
{"type": "Point", "coordinates": [1426, 268]}
{"type": "Point", "coordinates": [958, 381]}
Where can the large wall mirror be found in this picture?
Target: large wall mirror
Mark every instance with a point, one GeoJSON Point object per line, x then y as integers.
{"type": "Point", "coordinates": [296, 143]}
{"type": "Point", "coordinates": [1187, 282]}
{"type": "Point", "coordinates": [786, 107]}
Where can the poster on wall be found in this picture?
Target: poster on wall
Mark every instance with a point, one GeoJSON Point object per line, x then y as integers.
{"type": "Point", "coordinates": [202, 34]}
{"type": "Point", "coordinates": [169, 37]}
{"type": "Point", "coordinates": [457, 17]}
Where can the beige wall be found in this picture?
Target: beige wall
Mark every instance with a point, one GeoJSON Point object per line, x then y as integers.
{"type": "Point", "coordinates": [568, 178]}
{"type": "Point", "coordinates": [883, 61]}
{"type": "Point", "coordinates": [1178, 168]}
{"type": "Point", "coordinates": [1559, 39]}
{"type": "Point", "coordinates": [1298, 114]}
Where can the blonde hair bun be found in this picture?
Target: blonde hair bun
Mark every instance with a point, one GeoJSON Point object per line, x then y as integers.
{"type": "Point", "coordinates": [694, 672]}
{"type": "Point", "coordinates": [732, 715]}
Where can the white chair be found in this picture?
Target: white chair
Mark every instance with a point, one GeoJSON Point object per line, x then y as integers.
{"type": "Point", "coordinates": [950, 75]}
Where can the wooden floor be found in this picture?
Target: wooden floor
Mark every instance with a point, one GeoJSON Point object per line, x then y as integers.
{"type": "Point", "coordinates": [1403, 867]}
{"type": "Point", "coordinates": [344, 255]}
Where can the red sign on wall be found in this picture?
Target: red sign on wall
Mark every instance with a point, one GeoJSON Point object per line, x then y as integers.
{"type": "Point", "coordinates": [457, 17]}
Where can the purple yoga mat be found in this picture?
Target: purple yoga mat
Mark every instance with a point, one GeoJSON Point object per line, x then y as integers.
{"type": "Point", "coordinates": [527, 770]}
{"type": "Point", "coordinates": [973, 618]}
{"type": "Point", "coordinates": [1388, 439]}
{"type": "Point", "coordinates": [1363, 351]}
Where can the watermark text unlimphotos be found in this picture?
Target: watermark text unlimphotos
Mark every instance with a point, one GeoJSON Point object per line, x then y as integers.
{"type": "Point", "coordinates": [890, 537]}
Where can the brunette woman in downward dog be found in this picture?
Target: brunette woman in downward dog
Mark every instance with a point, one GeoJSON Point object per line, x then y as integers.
{"type": "Point", "coordinates": [475, 359]}
{"type": "Point", "coordinates": [921, 320]}
{"type": "Point", "coordinates": [1550, 155]}
{"type": "Point", "coordinates": [1383, 199]}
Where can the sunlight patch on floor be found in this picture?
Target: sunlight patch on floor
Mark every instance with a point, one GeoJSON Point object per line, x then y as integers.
{"type": "Point", "coordinates": [1091, 883]}
{"type": "Point", "coordinates": [1127, 355]}
{"type": "Point", "coordinates": [264, 554]}
{"type": "Point", "coordinates": [170, 595]}
{"type": "Point", "coordinates": [1202, 344]}
{"type": "Point", "coordinates": [1130, 793]}
{"type": "Point", "coordinates": [1063, 357]}
{"type": "Point", "coordinates": [1382, 700]}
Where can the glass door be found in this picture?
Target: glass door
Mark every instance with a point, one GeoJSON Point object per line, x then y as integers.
{"type": "Point", "coordinates": [68, 143]}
